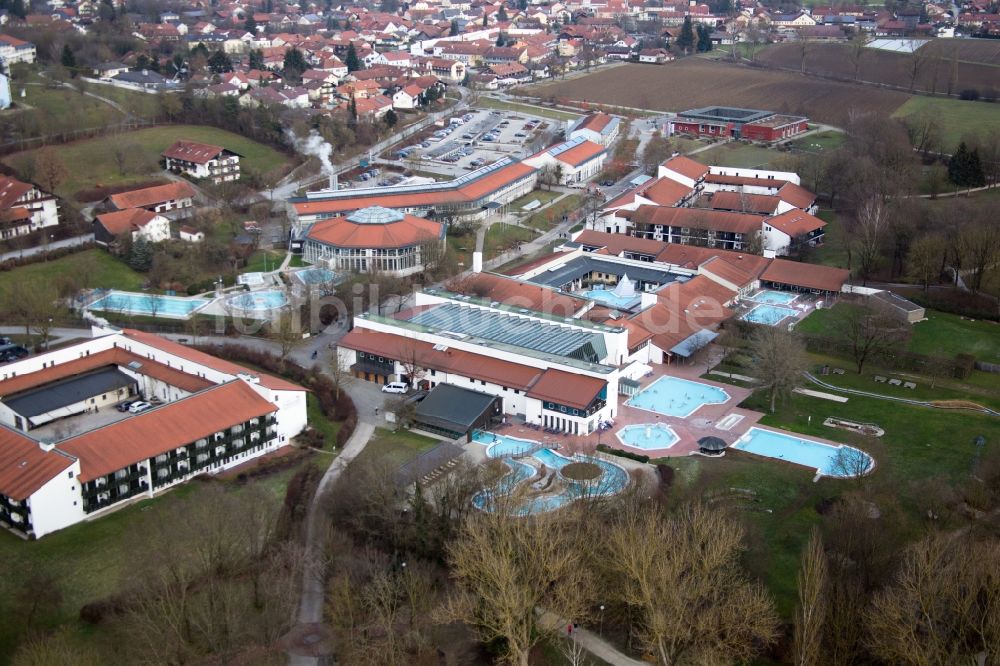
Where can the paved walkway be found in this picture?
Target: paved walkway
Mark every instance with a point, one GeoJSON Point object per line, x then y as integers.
{"type": "Point", "coordinates": [54, 245]}
{"type": "Point", "coordinates": [592, 643]}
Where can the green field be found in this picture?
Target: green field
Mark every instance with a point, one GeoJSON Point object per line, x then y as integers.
{"type": "Point", "coordinates": [60, 109]}
{"type": "Point", "coordinates": [92, 162]}
{"type": "Point", "coordinates": [820, 142]}
{"type": "Point", "coordinates": [740, 155]}
{"type": "Point", "coordinates": [395, 448]}
{"type": "Point", "coordinates": [833, 251]}
{"type": "Point", "coordinates": [503, 237]}
{"type": "Point", "coordinates": [957, 117]}
{"type": "Point", "coordinates": [552, 215]}
{"type": "Point", "coordinates": [542, 196]}
{"type": "Point", "coordinates": [91, 268]}
{"type": "Point", "coordinates": [137, 103]}
{"type": "Point", "coordinates": [540, 111]}
{"type": "Point", "coordinates": [263, 261]}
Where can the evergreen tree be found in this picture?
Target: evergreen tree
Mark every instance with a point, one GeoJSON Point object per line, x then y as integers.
{"type": "Point", "coordinates": [69, 59]}
{"type": "Point", "coordinates": [685, 41]}
{"type": "Point", "coordinates": [486, 19]}
{"type": "Point", "coordinates": [522, 4]}
{"type": "Point", "coordinates": [250, 25]}
{"type": "Point", "coordinates": [454, 28]}
{"type": "Point", "coordinates": [294, 64]}
{"type": "Point", "coordinates": [18, 9]}
{"type": "Point", "coordinates": [354, 109]}
{"type": "Point", "coordinates": [200, 50]}
{"type": "Point", "coordinates": [220, 62]}
{"type": "Point", "coordinates": [352, 61]}
{"type": "Point", "coordinates": [142, 61]}
{"type": "Point", "coordinates": [502, 13]}
{"type": "Point", "coordinates": [704, 39]}
{"type": "Point", "coordinates": [140, 257]}
{"type": "Point", "coordinates": [965, 169]}
{"type": "Point", "coordinates": [256, 59]}
{"type": "Point", "coordinates": [500, 39]}
{"type": "Point", "coordinates": [391, 118]}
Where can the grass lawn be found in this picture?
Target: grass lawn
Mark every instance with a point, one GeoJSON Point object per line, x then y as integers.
{"type": "Point", "coordinates": [139, 104]}
{"type": "Point", "coordinates": [943, 334]}
{"type": "Point", "coordinates": [545, 219]}
{"type": "Point", "coordinates": [542, 196]}
{"type": "Point", "coordinates": [92, 162]}
{"type": "Point", "coordinates": [396, 447]}
{"type": "Point", "coordinates": [317, 420]}
{"type": "Point", "coordinates": [500, 238]}
{"type": "Point", "coordinates": [88, 561]}
{"type": "Point", "coordinates": [264, 260]}
{"type": "Point", "coordinates": [61, 109]}
{"type": "Point", "coordinates": [957, 117]}
{"type": "Point", "coordinates": [818, 143]}
{"type": "Point", "coordinates": [530, 109]}
{"type": "Point", "coordinates": [94, 268]}
{"type": "Point", "coordinates": [833, 251]}
{"type": "Point", "coordinates": [297, 261]}
{"type": "Point", "coordinates": [740, 155]}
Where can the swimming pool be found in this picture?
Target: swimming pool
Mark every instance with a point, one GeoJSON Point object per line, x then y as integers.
{"type": "Point", "coordinates": [132, 303]}
{"type": "Point", "coordinates": [768, 314]}
{"type": "Point", "coordinates": [674, 396]}
{"type": "Point", "coordinates": [258, 301]}
{"type": "Point", "coordinates": [612, 480]}
{"type": "Point", "coordinates": [648, 436]}
{"type": "Point", "coordinates": [773, 297]}
{"type": "Point", "coordinates": [315, 275]}
{"type": "Point", "coordinates": [828, 460]}
{"type": "Point", "coordinates": [608, 297]}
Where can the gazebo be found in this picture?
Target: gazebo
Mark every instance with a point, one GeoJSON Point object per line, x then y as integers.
{"type": "Point", "coordinates": [711, 446]}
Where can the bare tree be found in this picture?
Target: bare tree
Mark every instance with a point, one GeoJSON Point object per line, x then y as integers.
{"type": "Point", "coordinates": [122, 151]}
{"type": "Point", "coordinates": [920, 58]}
{"type": "Point", "coordinates": [868, 333]}
{"type": "Point", "coordinates": [925, 132]}
{"type": "Point", "coordinates": [858, 50]}
{"type": "Point", "coordinates": [285, 329]}
{"type": "Point", "coordinates": [871, 226]}
{"type": "Point", "coordinates": [979, 243]}
{"type": "Point", "coordinates": [507, 570]}
{"type": "Point", "coordinates": [924, 259]}
{"type": "Point", "coordinates": [811, 612]}
{"type": "Point", "coordinates": [680, 578]}
{"type": "Point", "coordinates": [656, 152]}
{"type": "Point", "coordinates": [779, 361]}
{"type": "Point", "coordinates": [339, 373]}
{"type": "Point", "coordinates": [943, 607]}
{"type": "Point", "coordinates": [803, 46]}
{"type": "Point", "coordinates": [49, 169]}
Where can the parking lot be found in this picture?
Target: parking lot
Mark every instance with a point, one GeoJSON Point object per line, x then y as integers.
{"type": "Point", "coordinates": [475, 139]}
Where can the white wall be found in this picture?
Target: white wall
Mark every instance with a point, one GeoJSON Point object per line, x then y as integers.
{"type": "Point", "coordinates": [58, 503]}
{"type": "Point", "coordinates": [756, 173]}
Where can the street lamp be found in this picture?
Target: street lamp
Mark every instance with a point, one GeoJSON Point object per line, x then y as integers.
{"type": "Point", "coordinates": [47, 332]}
{"type": "Point", "coordinates": [601, 631]}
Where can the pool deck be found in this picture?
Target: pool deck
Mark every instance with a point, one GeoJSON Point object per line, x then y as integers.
{"type": "Point", "coordinates": [689, 430]}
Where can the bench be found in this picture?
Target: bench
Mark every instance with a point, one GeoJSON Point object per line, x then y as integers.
{"type": "Point", "coordinates": [880, 379]}
{"type": "Point", "coordinates": [909, 385]}
{"type": "Point", "coordinates": [839, 371]}
{"type": "Point", "coordinates": [895, 382]}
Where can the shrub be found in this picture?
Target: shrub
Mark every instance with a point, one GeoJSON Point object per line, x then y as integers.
{"type": "Point", "coordinates": [666, 474]}
{"type": "Point", "coordinates": [969, 95]}
{"type": "Point", "coordinates": [604, 448]}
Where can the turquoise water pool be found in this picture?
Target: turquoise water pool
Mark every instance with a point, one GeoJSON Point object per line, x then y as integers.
{"type": "Point", "coordinates": [126, 302]}
{"type": "Point", "coordinates": [773, 297]}
{"type": "Point", "coordinates": [316, 275]}
{"type": "Point", "coordinates": [648, 436]}
{"type": "Point", "coordinates": [612, 481]}
{"type": "Point", "coordinates": [608, 297]}
{"type": "Point", "coordinates": [839, 461]}
{"type": "Point", "coordinates": [768, 314]}
{"type": "Point", "coordinates": [258, 301]}
{"type": "Point", "coordinates": [673, 396]}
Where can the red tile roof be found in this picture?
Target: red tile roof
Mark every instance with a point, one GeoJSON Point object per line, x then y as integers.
{"type": "Point", "coordinates": [729, 272]}
{"type": "Point", "coordinates": [687, 167]}
{"type": "Point", "coordinates": [744, 180]}
{"type": "Point", "coordinates": [152, 196]}
{"type": "Point", "coordinates": [24, 466]}
{"type": "Point", "coordinates": [125, 221]}
{"type": "Point", "coordinates": [808, 276]}
{"type": "Point", "coordinates": [342, 232]}
{"type": "Point", "coordinates": [762, 204]}
{"type": "Point", "coordinates": [581, 154]}
{"type": "Point", "coordinates": [797, 195]}
{"type": "Point", "coordinates": [595, 121]}
{"type": "Point", "coordinates": [796, 222]}
{"type": "Point", "coordinates": [566, 388]}
{"type": "Point", "coordinates": [191, 151]}
{"type": "Point", "coordinates": [516, 293]}
{"type": "Point", "coordinates": [697, 218]}
{"type": "Point", "coordinates": [104, 450]}
{"type": "Point", "coordinates": [12, 189]}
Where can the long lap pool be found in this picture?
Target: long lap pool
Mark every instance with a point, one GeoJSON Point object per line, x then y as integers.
{"type": "Point", "coordinates": [828, 460]}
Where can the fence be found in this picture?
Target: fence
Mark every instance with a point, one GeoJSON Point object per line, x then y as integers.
{"type": "Point", "coordinates": [30, 143]}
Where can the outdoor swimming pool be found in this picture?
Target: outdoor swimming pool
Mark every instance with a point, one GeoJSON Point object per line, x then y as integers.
{"type": "Point", "coordinates": [315, 275]}
{"type": "Point", "coordinates": [258, 302]}
{"type": "Point", "coordinates": [768, 314]}
{"type": "Point", "coordinates": [839, 461]}
{"type": "Point", "coordinates": [648, 436]}
{"type": "Point", "coordinates": [773, 297]}
{"type": "Point", "coordinates": [612, 480]}
{"type": "Point", "coordinates": [608, 297]}
{"type": "Point", "coordinates": [132, 303]}
{"type": "Point", "coordinates": [674, 396]}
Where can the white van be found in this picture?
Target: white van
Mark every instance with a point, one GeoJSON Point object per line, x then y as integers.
{"type": "Point", "coordinates": [395, 387]}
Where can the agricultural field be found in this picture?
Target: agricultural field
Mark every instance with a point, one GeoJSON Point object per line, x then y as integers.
{"type": "Point", "coordinates": [924, 71]}
{"type": "Point", "coordinates": [694, 82]}
{"type": "Point", "coordinates": [92, 163]}
{"type": "Point", "coordinates": [959, 118]}
{"type": "Point", "coordinates": [968, 50]}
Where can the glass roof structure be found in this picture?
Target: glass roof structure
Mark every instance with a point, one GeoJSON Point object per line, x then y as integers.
{"type": "Point", "coordinates": [375, 215]}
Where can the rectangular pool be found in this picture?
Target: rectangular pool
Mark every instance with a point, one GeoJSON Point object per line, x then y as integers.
{"type": "Point", "coordinates": [773, 297]}
{"type": "Point", "coordinates": [131, 303]}
{"type": "Point", "coordinates": [828, 460]}
{"type": "Point", "coordinates": [608, 297]}
{"type": "Point", "coordinates": [674, 396]}
{"type": "Point", "coordinates": [769, 315]}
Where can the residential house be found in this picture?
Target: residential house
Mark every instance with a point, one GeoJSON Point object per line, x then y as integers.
{"type": "Point", "coordinates": [202, 160]}
{"type": "Point", "coordinates": [25, 208]}
{"type": "Point", "coordinates": [158, 199]}
{"type": "Point", "coordinates": [138, 223]}
{"type": "Point", "coordinates": [14, 50]}
{"type": "Point", "coordinates": [191, 235]}
{"type": "Point", "coordinates": [655, 56]}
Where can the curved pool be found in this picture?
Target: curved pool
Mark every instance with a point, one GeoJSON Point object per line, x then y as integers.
{"type": "Point", "coordinates": [612, 480]}
{"type": "Point", "coordinates": [673, 396]}
{"type": "Point", "coordinates": [648, 436]}
{"type": "Point", "coordinates": [258, 301]}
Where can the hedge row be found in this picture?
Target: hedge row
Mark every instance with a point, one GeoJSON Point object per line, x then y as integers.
{"type": "Point", "coordinates": [604, 448]}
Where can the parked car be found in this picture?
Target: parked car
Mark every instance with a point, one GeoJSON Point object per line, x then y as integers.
{"type": "Point", "coordinates": [607, 183]}
{"type": "Point", "coordinates": [520, 135]}
{"type": "Point", "coordinates": [139, 406]}
{"type": "Point", "coordinates": [395, 387]}
{"type": "Point", "coordinates": [125, 404]}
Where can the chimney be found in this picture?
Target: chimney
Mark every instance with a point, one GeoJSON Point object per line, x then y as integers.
{"type": "Point", "coordinates": [333, 181]}
{"type": "Point", "coordinates": [145, 72]}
